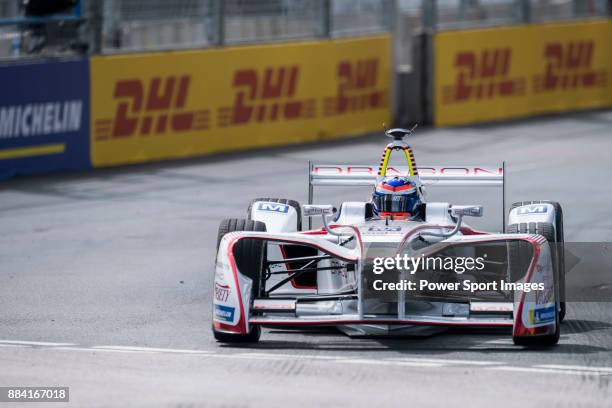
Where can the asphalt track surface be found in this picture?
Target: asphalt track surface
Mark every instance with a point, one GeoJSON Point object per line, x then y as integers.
{"type": "Point", "coordinates": [105, 284]}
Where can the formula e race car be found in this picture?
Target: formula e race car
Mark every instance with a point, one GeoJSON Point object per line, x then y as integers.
{"type": "Point", "coordinates": [367, 270]}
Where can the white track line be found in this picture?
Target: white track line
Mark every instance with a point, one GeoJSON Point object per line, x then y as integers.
{"type": "Point", "coordinates": [394, 361]}
{"type": "Point", "coordinates": [391, 363]}
{"type": "Point", "coordinates": [413, 362]}
{"type": "Point", "coordinates": [35, 343]}
{"type": "Point", "coordinates": [447, 361]}
{"type": "Point", "coordinates": [575, 367]}
{"type": "Point", "coordinates": [15, 346]}
{"type": "Point", "coordinates": [252, 356]}
{"type": "Point", "coordinates": [108, 350]}
{"type": "Point", "coordinates": [547, 370]}
{"type": "Point", "coordinates": [150, 349]}
{"type": "Point", "coordinates": [283, 356]}
{"type": "Point", "coordinates": [76, 348]}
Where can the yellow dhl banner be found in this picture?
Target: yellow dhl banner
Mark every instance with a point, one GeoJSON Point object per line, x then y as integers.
{"type": "Point", "coordinates": [510, 72]}
{"type": "Point", "coordinates": [178, 104]}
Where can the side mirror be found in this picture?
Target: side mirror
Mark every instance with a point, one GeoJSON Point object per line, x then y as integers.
{"type": "Point", "coordinates": [310, 210]}
{"type": "Point", "coordinates": [467, 210]}
{"type": "Point", "coordinates": [458, 211]}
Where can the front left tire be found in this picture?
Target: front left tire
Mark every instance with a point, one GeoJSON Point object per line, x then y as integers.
{"type": "Point", "coordinates": [558, 247]}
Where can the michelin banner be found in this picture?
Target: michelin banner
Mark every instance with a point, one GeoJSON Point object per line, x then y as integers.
{"type": "Point", "coordinates": [44, 117]}
{"type": "Point", "coordinates": [504, 73]}
{"type": "Point", "coordinates": [178, 104]}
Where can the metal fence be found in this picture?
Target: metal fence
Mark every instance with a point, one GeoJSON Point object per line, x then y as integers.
{"type": "Point", "coordinates": [459, 14]}
{"type": "Point", "coordinates": [116, 26]}
{"type": "Point", "coordinates": [417, 16]}
{"type": "Point", "coordinates": [141, 25]}
{"type": "Point", "coordinates": [138, 24]}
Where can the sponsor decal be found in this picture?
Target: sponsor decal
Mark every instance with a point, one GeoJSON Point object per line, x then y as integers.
{"type": "Point", "coordinates": [483, 75]}
{"type": "Point", "coordinates": [542, 315]}
{"type": "Point", "coordinates": [266, 95]}
{"type": "Point", "coordinates": [569, 65]}
{"type": "Point", "coordinates": [493, 307]}
{"type": "Point", "coordinates": [154, 107]}
{"type": "Point", "coordinates": [44, 117]}
{"type": "Point", "coordinates": [221, 292]}
{"type": "Point", "coordinates": [357, 88]}
{"type": "Point", "coordinates": [273, 207]}
{"type": "Point", "coordinates": [40, 119]}
{"type": "Point", "coordinates": [533, 209]}
{"type": "Point", "coordinates": [376, 230]}
{"type": "Point", "coordinates": [224, 313]}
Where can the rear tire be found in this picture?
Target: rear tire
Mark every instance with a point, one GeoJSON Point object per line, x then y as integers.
{"type": "Point", "coordinates": [558, 249]}
{"type": "Point", "coordinates": [249, 255]}
{"type": "Point", "coordinates": [291, 203]}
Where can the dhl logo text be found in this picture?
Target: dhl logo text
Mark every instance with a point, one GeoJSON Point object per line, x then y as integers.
{"type": "Point", "coordinates": [483, 75]}
{"type": "Point", "coordinates": [266, 96]}
{"type": "Point", "coordinates": [153, 107]}
{"type": "Point", "coordinates": [569, 66]}
{"type": "Point", "coordinates": [356, 88]}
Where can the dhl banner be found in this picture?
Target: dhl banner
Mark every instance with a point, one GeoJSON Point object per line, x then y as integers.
{"type": "Point", "coordinates": [501, 73]}
{"type": "Point", "coordinates": [178, 104]}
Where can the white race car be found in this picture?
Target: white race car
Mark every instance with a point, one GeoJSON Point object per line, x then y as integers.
{"type": "Point", "coordinates": [272, 272]}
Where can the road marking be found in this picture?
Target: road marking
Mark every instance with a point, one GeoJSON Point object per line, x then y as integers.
{"type": "Point", "coordinates": [505, 342]}
{"type": "Point", "coordinates": [283, 356]}
{"type": "Point", "coordinates": [104, 350]}
{"type": "Point", "coordinates": [150, 349]}
{"type": "Point", "coordinates": [392, 362]}
{"type": "Point", "coordinates": [412, 362]}
{"type": "Point", "coordinates": [15, 345]}
{"type": "Point", "coordinates": [575, 367]}
{"type": "Point", "coordinates": [35, 343]}
{"type": "Point", "coordinates": [111, 350]}
{"type": "Point", "coordinates": [68, 348]}
{"type": "Point", "coordinates": [535, 369]}
{"type": "Point", "coordinates": [447, 361]}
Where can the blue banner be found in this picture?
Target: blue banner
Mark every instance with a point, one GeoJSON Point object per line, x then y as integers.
{"type": "Point", "coordinates": [44, 117]}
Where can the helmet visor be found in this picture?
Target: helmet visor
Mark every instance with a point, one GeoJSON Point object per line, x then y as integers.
{"type": "Point", "coordinates": [395, 203]}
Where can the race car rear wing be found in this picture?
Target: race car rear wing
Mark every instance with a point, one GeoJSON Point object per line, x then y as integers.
{"type": "Point", "coordinates": [365, 175]}
{"type": "Point", "coordinates": [359, 175]}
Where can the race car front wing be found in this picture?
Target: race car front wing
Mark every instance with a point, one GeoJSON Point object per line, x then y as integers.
{"type": "Point", "coordinates": [236, 309]}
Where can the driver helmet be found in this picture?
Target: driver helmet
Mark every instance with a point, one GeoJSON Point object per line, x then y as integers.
{"type": "Point", "coordinates": [397, 197]}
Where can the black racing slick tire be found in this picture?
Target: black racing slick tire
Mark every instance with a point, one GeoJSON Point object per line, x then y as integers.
{"type": "Point", "coordinates": [291, 203]}
{"type": "Point", "coordinates": [547, 231]}
{"type": "Point", "coordinates": [249, 255]}
{"type": "Point", "coordinates": [558, 248]}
